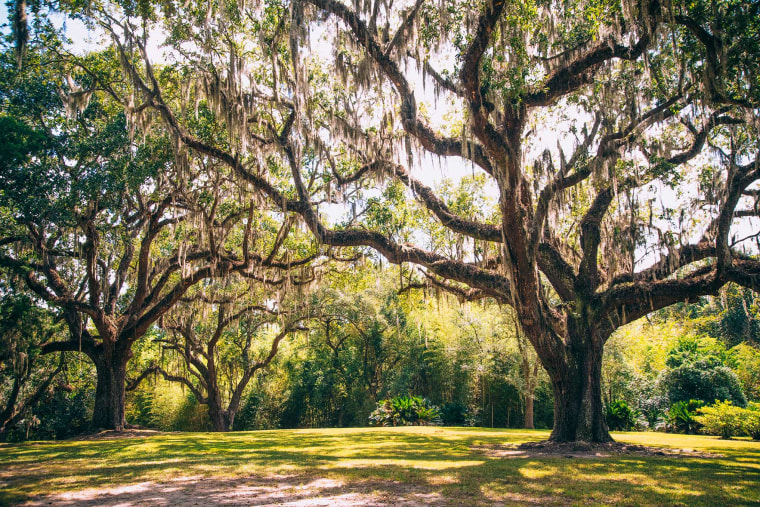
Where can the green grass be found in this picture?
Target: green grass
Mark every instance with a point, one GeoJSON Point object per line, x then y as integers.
{"type": "Point", "coordinates": [436, 462]}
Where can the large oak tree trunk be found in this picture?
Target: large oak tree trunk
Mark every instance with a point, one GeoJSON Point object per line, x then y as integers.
{"type": "Point", "coordinates": [577, 386]}
{"type": "Point", "coordinates": [110, 391]}
{"type": "Point", "coordinates": [220, 419]}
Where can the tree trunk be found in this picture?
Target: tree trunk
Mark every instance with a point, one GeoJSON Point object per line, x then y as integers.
{"type": "Point", "coordinates": [578, 408]}
{"type": "Point", "coordinates": [220, 418]}
{"type": "Point", "coordinates": [530, 378]}
{"type": "Point", "coordinates": [111, 368]}
{"type": "Point", "coordinates": [528, 421]}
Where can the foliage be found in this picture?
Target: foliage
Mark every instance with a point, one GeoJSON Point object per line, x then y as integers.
{"type": "Point", "coordinates": [724, 419]}
{"type": "Point", "coordinates": [370, 343]}
{"type": "Point", "coordinates": [620, 417]}
{"type": "Point", "coordinates": [733, 316]}
{"type": "Point", "coordinates": [454, 414]}
{"type": "Point", "coordinates": [750, 421]}
{"type": "Point", "coordinates": [27, 377]}
{"type": "Point", "coordinates": [699, 372]}
{"type": "Point", "coordinates": [166, 406]}
{"type": "Point", "coordinates": [405, 411]}
{"type": "Point", "coordinates": [64, 408]}
{"type": "Point", "coordinates": [681, 416]}
{"type": "Point", "coordinates": [262, 407]}
{"type": "Point", "coordinates": [653, 409]}
{"type": "Point", "coordinates": [64, 413]}
{"type": "Point", "coordinates": [745, 360]}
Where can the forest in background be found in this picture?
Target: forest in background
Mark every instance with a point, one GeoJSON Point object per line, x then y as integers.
{"type": "Point", "coordinates": [467, 359]}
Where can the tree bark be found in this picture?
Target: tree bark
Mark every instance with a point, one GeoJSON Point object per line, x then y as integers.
{"type": "Point", "coordinates": [528, 421]}
{"type": "Point", "coordinates": [220, 418]}
{"type": "Point", "coordinates": [110, 391]}
{"type": "Point", "coordinates": [577, 386]}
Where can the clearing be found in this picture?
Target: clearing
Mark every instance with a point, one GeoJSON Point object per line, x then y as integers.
{"type": "Point", "coordinates": [378, 466]}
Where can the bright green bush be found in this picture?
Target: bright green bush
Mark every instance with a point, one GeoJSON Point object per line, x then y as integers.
{"type": "Point", "coordinates": [750, 420]}
{"type": "Point", "coordinates": [724, 419]}
{"type": "Point", "coordinates": [695, 371]}
{"type": "Point", "coordinates": [168, 407]}
{"type": "Point", "coordinates": [405, 411]}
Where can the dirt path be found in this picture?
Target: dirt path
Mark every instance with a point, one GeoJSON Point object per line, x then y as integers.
{"type": "Point", "coordinates": [282, 491]}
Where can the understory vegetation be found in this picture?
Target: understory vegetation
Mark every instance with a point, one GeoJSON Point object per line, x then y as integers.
{"type": "Point", "coordinates": [387, 359]}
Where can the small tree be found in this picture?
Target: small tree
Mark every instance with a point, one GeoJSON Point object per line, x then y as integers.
{"type": "Point", "coordinates": [25, 375]}
{"type": "Point", "coordinates": [219, 355]}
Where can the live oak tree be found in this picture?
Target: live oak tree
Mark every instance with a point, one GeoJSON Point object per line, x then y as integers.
{"type": "Point", "coordinates": [651, 104]}
{"type": "Point", "coordinates": [651, 87]}
{"type": "Point", "coordinates": [220, 353]}
{"type": "Point", "coordinates": [217, 329]}
{"type": "Point", "coordinates": [106, 230]}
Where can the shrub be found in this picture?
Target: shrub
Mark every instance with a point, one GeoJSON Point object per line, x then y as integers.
{"type": "Point", "coordinates": [405, 411]}
{"type": "Point", "coordinates": [653, 409]}
{"type": "Point", "coordinates": [750, 420]}
{"type": "Point", "coordinates": [724, 419]}
{"type": "Point", "coordinates": [700, 373]}
{"type": "Point", "coordinates": [681, 416]}
{"type": "Point", "coordinates": [454, 413]}
{"type": "Point", "coordinates": [620, 417]}
{"type": "Point", "coordinates": [63, 412]}
{"type": "Point", "coordinates": [168, 407]}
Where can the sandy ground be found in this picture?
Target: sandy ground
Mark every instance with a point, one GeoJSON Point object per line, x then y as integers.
{"type": "Point", "coordinates": [282, 490]}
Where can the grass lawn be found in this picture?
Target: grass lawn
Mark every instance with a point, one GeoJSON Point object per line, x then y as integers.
{"type": "Point", "coordinates": [400, 466]}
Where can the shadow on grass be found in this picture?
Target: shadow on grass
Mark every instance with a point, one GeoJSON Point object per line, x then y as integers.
{"type": "Point", "coordinates": [362, 467]}
{"type": "Point", "coordinates": [282, 490]}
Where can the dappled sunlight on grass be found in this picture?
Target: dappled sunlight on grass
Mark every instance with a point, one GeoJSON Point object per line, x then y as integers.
{"type": "Point", "coordinates": [418, 464]}
{"type": "Point", "coordinates": [701, 442]}
{"type": "Point", "coordinates": [432, 462]}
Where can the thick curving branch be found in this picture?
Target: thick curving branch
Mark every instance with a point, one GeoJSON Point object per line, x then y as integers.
{"type": "Point", "coordinates": [413, 125]}
{"type": "Point", "coordinates": [591, 237]}
{"type": "Point", "coordinates": [581, 71]}
{"type": "Point", "coordinates": [469, 76]}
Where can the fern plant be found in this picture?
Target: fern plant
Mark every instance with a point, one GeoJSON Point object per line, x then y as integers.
{"type": "Point", "coordinates": [405, 411]}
